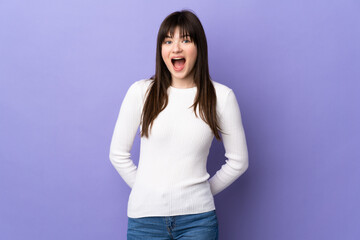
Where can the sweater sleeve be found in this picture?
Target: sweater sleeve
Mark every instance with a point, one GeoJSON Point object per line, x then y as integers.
{"type": "Point", "coordinates": [124, 134]}
{"type": "Point", "coordinates": [235, 146]}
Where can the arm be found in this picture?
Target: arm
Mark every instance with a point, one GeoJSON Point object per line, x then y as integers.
{"type": "Point", "coordinates": [124, 134]}
{"type": "Point", "coordinates": [235, 146]}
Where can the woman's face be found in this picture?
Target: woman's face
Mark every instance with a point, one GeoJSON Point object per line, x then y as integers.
{"type": "Point", "coordinates": [179, 54]}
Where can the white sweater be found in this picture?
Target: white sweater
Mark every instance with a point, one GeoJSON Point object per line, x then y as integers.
{"type": "Point", "coordinates": [171, 177]}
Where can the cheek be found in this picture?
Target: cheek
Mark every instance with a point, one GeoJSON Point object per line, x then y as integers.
{"type": "Point", "coordinates": [193, 54]}
{"type": "Point", "coordinates": [164, 54]}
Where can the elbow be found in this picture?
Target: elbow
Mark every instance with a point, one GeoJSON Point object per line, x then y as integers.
{"type": "Point", "coordinates": [119, 157]}
{"type": "Point", "coordinates": [246, 161]}
{"type": "Point", "coordinates": [112, 156]}
{"type": "Point", "coordinates": [246, 165]}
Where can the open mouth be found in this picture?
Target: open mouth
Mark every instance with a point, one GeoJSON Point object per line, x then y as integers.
{"type": "Point", "coordinates": [178, 63]}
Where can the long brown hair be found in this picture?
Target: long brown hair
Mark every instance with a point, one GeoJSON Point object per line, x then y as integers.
{"type": "Point", "coordinates": [157, 98]}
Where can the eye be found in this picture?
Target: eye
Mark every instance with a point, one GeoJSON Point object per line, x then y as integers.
{"type": "Point", "coordinates": [187, 41]}
{"type": "Point", "coordinates": [167, 42]}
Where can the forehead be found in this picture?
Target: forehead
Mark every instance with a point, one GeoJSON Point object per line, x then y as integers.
{"type": "Point", "coordinates": [177, 30]}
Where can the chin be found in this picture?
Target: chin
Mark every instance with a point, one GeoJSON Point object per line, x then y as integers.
{"type": "Point", "coordinates": [182, 76]}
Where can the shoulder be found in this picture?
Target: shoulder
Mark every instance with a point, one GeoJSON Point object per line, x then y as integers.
{"type": "Point", "coordinates": [222, 93]}
{"type": "Point", "coordinates": [139, 88]}
{"type": "Point", "coordinates": [141, 84]}
{"type": "Point", "coordinates": [221, 89]}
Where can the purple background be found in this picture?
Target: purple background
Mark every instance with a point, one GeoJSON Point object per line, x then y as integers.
{"type": "Point", "coordinates": [65, 67]}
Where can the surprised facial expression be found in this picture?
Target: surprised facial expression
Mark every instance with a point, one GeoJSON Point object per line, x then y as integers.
{"type": "Point", "coordinates": [179, 54]}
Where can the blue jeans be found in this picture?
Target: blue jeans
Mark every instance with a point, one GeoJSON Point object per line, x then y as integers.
{"type": "Point", "coordinates": [200, 226]}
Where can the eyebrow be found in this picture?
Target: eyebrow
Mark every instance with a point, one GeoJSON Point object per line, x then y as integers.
{"type": "Point", "coordinates": [184, 35]}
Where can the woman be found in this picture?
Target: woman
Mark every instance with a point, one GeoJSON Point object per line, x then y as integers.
{"type": "Point", "coordinates": [179, 111]}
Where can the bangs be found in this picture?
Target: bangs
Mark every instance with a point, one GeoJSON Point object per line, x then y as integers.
{"type": "Point", "coordinates": [186, 29]}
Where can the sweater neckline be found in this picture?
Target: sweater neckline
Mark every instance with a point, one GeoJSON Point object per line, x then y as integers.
{"type": "Point", "coordinates": [183, 89]}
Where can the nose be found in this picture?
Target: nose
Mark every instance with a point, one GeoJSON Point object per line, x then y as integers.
{"type": "Point", "coordinates": [177, 47]}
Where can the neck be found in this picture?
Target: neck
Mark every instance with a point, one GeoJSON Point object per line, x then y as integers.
{"type": "Point", "coordinates": [183, 83]}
